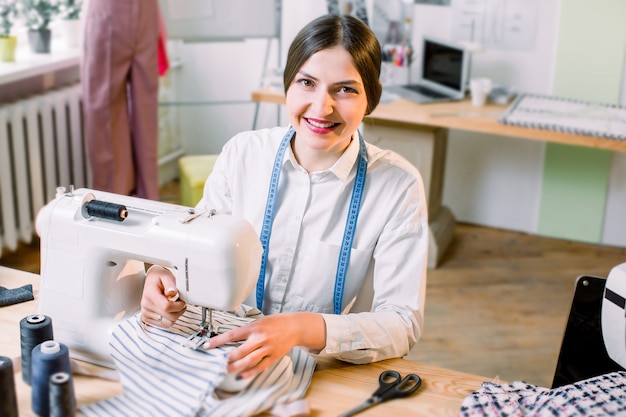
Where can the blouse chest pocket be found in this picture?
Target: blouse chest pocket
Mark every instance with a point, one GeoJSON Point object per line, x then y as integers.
{"type": "Point", "coordinates": [315, 275]}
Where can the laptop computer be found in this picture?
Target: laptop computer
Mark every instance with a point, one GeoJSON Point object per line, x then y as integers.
{"type": "Point", "coordinates": [444, 73]}
{"type": "Point", "coordinates": [583, 354]}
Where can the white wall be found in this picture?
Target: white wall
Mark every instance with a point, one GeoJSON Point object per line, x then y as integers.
{"type": "Point", "coordinates": [623, 97]}
{"type": "Point", "coordinates": [493, 180]}
{"type": "Point", "coordinates": [220, 73]}
{"type": "Point", "coordinates": [614, 232]}
{"type": "Point", "coordinates": [215, 82]}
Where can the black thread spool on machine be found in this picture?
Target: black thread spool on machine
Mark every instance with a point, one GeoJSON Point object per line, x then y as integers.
{"type": "Point", "coordinates": [103, 210]}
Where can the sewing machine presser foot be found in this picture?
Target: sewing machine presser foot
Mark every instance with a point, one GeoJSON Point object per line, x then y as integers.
{"type": "Point", "coordinates": [197, 339]}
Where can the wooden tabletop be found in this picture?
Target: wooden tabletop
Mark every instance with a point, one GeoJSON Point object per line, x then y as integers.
{"type": "Point", "coordinates": [335, 387]}
{"type": "Point", "coordinates": [460, 115]}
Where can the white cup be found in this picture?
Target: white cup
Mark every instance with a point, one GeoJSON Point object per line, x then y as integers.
{"type": "Point", "coordinates": [479, 89]}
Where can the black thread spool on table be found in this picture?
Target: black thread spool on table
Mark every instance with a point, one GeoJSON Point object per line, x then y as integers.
{"type": "Point", "coordinates": [8, 398]}
{"type": "Point", "coordinates": [62, 399]}
{"type": "Point", "coordinates": [34, 329]}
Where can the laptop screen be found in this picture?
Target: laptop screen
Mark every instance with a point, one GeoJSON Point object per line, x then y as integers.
{"type": "Point", "coordinates": [445, 64]}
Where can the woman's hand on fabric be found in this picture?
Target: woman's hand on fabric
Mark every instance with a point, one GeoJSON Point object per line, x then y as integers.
{"type": "Point", "coordinates": [160, 303]}
{"type": "Point", "coordinates": [268, 339]}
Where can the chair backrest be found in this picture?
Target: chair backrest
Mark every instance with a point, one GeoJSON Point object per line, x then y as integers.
{"type": "Point", "coordinates": [583, 354]}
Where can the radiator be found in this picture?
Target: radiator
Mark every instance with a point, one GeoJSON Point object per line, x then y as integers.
{"type": "Point", "coordinates": [41, 147]}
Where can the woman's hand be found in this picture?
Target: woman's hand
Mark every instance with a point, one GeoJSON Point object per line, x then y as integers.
{"type": "Point", "coordinates": [269, 338]}
{"type": "Point", "coordinates": [160, 304]}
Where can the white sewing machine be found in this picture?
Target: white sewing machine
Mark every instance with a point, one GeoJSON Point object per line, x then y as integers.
{"type": "Point", "coordinates": [614, 314]}
{"type": "Point", "coordinates": [94, 247]}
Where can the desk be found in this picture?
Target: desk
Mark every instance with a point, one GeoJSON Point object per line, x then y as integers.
{"type": "Point", "coordinates": [335, 387]}
{"type": "Point", "coordinates": [419, 132]}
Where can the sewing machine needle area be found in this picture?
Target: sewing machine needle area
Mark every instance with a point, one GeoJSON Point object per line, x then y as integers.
{"type": "Point", "coordinates": [206, 331]}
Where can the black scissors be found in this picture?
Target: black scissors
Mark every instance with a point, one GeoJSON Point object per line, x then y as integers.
{"type": "Point", "coordinates": [391, 385]}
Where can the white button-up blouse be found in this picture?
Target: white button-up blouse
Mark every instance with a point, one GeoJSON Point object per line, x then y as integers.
{"type": "Point", "coordinates": [383, 302]}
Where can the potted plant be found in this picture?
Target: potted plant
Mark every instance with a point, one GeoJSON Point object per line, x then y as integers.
{"type": "Point", "coordinates": [37, 15]}
{"type": "Point", "coordinates": [8, 12]}
{"type": "Point", "coordinates": [70, 25]}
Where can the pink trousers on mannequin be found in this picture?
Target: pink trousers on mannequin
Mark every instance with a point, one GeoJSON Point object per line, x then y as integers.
{"type": "Point", "coordinates": [120, 95]}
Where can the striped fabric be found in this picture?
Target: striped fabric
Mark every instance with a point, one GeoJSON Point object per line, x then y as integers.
{"type": "Point", "coordinates": [162, 378]}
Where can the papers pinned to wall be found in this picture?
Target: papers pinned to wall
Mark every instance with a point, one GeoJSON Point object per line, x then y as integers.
{"type": "Point", "coordinates": [496, 24]}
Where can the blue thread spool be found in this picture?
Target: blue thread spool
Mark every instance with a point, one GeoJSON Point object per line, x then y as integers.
{"type": "Point", "coordinates": [48, 358]}
{"type": "Point", "coordinates": [8, 399]}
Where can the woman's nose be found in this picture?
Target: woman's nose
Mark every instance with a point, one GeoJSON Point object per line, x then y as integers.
{"type": "Point", "coordinates": [323, 103]}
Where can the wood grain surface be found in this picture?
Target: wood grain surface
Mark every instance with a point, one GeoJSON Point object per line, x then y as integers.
{"type": "Point", "coordinates": [335, 386]}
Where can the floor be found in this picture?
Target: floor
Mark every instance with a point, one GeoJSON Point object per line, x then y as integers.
{"type": "Point", "coordinates": [496, 306]}
{"type": "Point", "coordinates": [498, 303]}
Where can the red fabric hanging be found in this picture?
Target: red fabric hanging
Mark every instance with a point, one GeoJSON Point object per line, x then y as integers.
{"type": "Point", "coordinates": [164, 62]}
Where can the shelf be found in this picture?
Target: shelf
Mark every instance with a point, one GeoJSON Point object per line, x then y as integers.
{"type": "Point", "coordinates": [28, 64]}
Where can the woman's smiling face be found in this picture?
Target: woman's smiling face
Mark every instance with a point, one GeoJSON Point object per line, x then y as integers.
{"type": "Point", "coordinates": [326, 102]}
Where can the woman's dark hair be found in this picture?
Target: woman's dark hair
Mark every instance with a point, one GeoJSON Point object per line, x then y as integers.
{"type": "Point", "coordinates": [351, 33]}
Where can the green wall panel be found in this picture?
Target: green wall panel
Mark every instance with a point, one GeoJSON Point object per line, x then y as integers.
{"type": "Point", "coordinates": [573, 194]}
{"type": "Point", "coordinates": [589, 61]}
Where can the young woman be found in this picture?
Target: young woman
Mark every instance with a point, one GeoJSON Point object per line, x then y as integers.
{"type": "Point", "coordinates": [346, 246]}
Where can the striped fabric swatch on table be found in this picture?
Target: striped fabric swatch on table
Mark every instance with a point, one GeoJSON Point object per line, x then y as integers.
{"type": "Point", "coordinates": [160, 377]}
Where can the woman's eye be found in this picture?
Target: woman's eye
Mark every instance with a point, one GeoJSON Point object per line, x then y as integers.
{"type": "Point", "coordinates": [305, 82]}
{"type": "Point", "coordinates": [347, 90]}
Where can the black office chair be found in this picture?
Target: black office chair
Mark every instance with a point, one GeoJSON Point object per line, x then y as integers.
{"type": "Point", "coordinates": [583, 354]}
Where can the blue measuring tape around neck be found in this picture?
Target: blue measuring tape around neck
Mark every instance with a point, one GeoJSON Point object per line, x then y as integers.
{"type": "Point", "coordinates": [348, 234]}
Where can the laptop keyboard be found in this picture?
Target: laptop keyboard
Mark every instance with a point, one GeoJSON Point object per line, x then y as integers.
{"type": "Point", "coordinates": [425, 91]}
